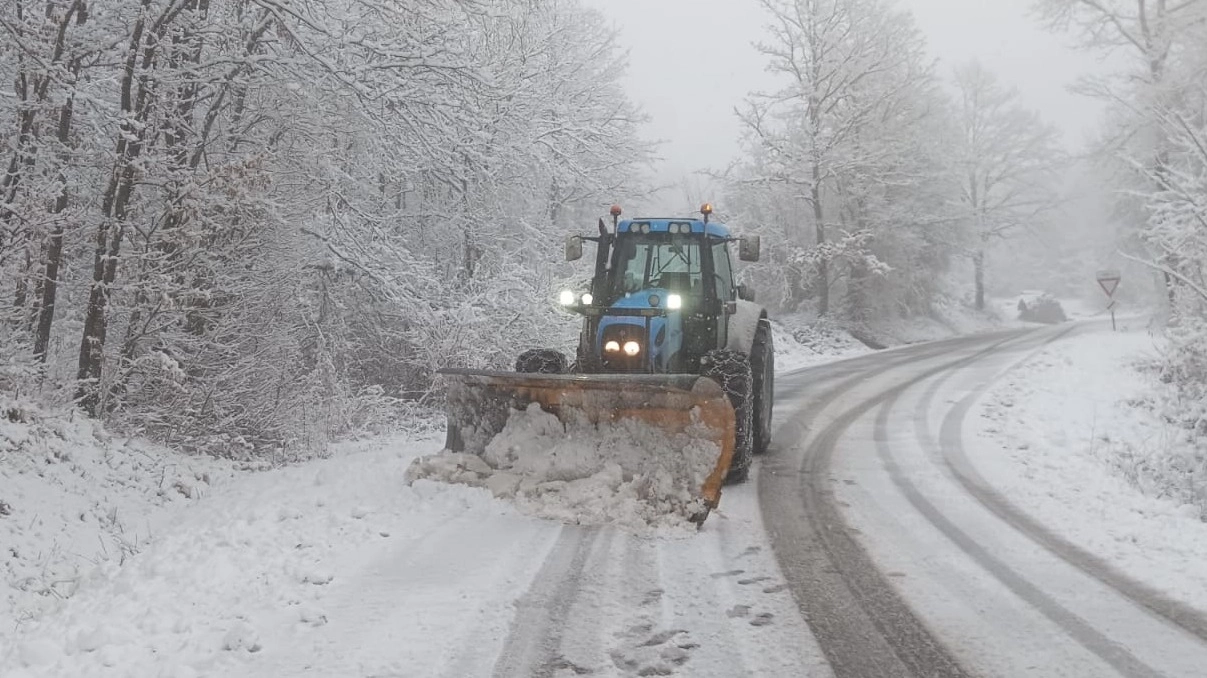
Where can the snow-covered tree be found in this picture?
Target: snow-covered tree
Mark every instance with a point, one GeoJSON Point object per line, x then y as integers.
{"type": "Point", "coordinates": [1154, 148]}
{"type": "Point", "coordinates": [1005, 161]}
{"type": "Point", "coordinates": [1155, 42]}
{"type": "Point", "coordinates": [840, 162]}
{"type": "Point", "coordinates": [263, 221]}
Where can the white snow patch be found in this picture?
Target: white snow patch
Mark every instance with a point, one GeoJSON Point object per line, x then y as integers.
{"type": "Point", "coordinates": [241, 637]}
{"type": "Point", "coordinates": [76, 502]}
{"type": "Point", "coordinates": [803, 339]}
{"type": "Point", "coordinates": [215, 578]}
{"type": "Point", "coordinates": [743, 326]}
{"type": "Point", "coordinates": [1069, 433]}
{"type": "Point", "coordinates": [626, 472]}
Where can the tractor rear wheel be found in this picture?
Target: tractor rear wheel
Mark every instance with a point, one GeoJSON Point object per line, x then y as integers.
{"type": "Point", "coordinates": [762, 358]}
{"type": "Point", "coordinates": [542, 361]}
{"type": "Point", "coordinates": [731, 369]}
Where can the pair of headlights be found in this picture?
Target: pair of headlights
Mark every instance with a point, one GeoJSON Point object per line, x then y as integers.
{"type": "Point", "coordinates": [631, 348]}
{"type": "Point", "coordinates": [673, 301]}
{"type": "Point", "coordinates": [567, 298]}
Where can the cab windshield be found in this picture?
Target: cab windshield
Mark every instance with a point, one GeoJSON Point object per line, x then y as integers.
{"type": "Point", "coordinates": [659, 260]}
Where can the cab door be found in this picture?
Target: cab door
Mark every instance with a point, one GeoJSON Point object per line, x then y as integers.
{"type": "Point", "coordinates": [723, 288]}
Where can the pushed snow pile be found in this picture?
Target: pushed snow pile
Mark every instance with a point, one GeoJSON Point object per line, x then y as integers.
{"type": "Point", "coordinates": [627, 472]}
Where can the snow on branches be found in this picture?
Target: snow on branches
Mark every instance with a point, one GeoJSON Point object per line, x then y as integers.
{"type": "Point", "coordinates": [274, 220]}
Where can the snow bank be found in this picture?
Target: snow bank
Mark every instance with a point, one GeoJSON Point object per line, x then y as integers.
{"type": "Point", "coordinates": [237, 562]}
{"type": "Point", "coordinates": [75, 501]}
{"type": "Point", "coordinates": [803, 339]}
{"type": "Point", "coordinates": [627, 472]}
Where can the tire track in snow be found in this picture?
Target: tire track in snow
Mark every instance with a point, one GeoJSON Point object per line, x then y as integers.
{"type": "Point", "coordinates": [1077, 628]}
{"type": "Point", "coordinates": [375, 611]}
{"type": "Point", "coordinates": [534, 640]}
{"type": "Point", "coordinates": [1179, 614]}
{"type": "Point", "coordinates": [863, 625]}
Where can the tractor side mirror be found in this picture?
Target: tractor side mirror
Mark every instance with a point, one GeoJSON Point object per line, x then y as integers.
{"type": "Point", "coordinates": [574, 248]}
{"type": "Point", "coordinates": [748, 248]}
{"type": "Point", "coordinates": [745, 292]}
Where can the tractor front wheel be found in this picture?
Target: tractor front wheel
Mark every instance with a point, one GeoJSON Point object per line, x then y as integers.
{"type": "Point", "coordinates": [542, 361]}
{"type": "Point", "coordinates": [731, 369]}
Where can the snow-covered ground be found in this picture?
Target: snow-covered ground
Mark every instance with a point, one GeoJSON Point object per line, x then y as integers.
{"type": "Point", "coordinates": [76, 502]}
{"type": "Point", "coordinates": [123, 558]}
{"type": "Point", "coordinates": [1067, 435]}
{"type": "Point", "coordinates": [339, 566]}
{"type": "Point", "coordinates": [214, 570]}
{"type": "Point", "coordinates": [588, 474]}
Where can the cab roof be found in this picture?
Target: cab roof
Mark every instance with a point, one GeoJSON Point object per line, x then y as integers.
{"type": "Point", "coordinates": [663, 225]}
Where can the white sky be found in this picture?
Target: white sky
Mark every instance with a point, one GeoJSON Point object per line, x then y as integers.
{"type": "Point", "coordinates": [692, 61]}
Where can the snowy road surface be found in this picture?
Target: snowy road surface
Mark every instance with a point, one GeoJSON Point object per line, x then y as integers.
{"type": "Point", "coordinates": [871, 518]}
{"type": "Point", "coordinates": [908, 563]}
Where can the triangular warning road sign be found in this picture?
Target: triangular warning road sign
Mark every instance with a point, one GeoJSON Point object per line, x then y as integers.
{"type": "Point", "coordinates": [1109, 281]}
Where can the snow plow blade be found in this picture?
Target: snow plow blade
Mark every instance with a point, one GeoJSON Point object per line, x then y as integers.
{"type": "Point", "coordinates": [479, 403]}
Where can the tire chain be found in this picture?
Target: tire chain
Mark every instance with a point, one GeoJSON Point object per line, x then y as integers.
{"type": "Point", "coordinates": [731, 370]}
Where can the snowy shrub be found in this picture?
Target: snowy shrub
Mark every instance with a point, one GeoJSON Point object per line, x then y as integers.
{"type": "Point", "coordinates": [1185, 370]}
{"type": "Point", "coordinates": [1172, 463]}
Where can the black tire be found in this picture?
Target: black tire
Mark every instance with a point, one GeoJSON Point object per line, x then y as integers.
{"type": "Point", "coordinates": [731, 369]}
{"type": "Point", "coordinates": [542, 361]}
{"type": "Point", "coordinates": [762, 359]}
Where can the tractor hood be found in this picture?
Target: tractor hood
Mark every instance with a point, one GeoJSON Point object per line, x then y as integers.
{"type": "Point", "coordinates": [639, 318]}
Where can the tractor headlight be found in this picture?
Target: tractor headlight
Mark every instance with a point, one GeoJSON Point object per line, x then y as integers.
{"type": "Point", "coordinates": [567, 298]}
{"type": "Point", "coordinates": [674, 301]}
{"type": "Point", "coordinates": [673, 228]}
{"type": "Point", "coordinates": [612, 346]}
{"type": "Point", "coordinates": [631, 348]}
{"type": "Point", "coordinates": [645, 228]}
{"type": "Point", "coordinates": [587, 299]}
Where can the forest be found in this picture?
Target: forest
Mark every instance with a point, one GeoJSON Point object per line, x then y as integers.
{"type": "Point", "coordinates": [250, 227]}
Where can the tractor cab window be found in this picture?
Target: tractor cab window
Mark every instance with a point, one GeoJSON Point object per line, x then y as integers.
{"type": "Point", "coordinates": [722, 273]}
{"type": "Point", "coordinates": [661, 260]}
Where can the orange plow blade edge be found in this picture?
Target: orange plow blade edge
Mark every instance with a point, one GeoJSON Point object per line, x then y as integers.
{"type": "Point", "coordinates": [479, 403]}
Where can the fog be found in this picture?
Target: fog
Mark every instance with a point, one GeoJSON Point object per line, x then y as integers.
{"type": "Point", "coordinates": [691, 63]}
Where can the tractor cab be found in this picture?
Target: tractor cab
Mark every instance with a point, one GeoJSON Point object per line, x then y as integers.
{"type": "Point", "coordinates": [661, 296]}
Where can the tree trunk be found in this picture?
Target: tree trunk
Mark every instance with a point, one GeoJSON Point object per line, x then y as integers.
{"type": "Point", "coordinates": [978, 264]}
{"type": "Point", "coordinates": [22, 292]}
{"type": "Point", "coordinates": [819, 226]}
{"type": "Point", "coordinates": [54, 256]}
{"type": "Point", "coordinates": [54, 250]}
{"type": "Point", "coordinates": [112, 228]}
{"type": "Point", "coordinates": [30, 93]}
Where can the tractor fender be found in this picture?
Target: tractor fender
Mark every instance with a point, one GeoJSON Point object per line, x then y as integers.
{"type": "Point", "coordinates": [743, 326]}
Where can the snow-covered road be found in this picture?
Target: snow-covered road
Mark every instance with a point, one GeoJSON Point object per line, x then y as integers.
{"type": "Point", "coordinates": [908, 562]}
{"type": "Point", "coordinates": [882, 515]}
{"type": "Point", "coordinates": [505, 595]}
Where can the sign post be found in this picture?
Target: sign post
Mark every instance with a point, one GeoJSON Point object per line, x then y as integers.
{"type": "Point", "coordinates": [1108, 280]}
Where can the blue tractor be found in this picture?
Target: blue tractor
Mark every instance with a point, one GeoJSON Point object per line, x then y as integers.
{"type": "Point", "coordinates": [666, 331]}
